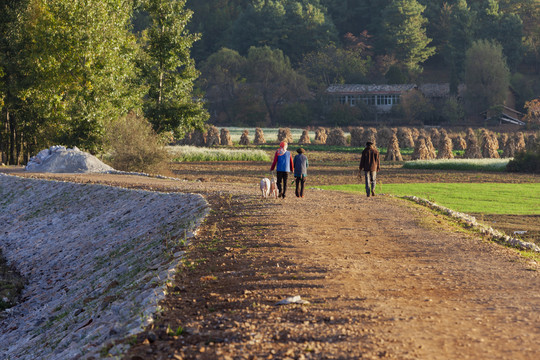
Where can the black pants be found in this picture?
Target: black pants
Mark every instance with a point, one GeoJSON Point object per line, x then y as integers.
{"type": "Point", "coordinates": [300, 184]}
{"type": "Point", "coordinates": [282, 177]}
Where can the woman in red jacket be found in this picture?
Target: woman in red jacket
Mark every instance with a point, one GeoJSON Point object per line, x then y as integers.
{"type": "Point", "coordinates": [283, 163]}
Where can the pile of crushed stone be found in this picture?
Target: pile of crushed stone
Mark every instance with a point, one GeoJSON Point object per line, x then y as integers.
{"type": "Point", "coordinates": [59, 159]}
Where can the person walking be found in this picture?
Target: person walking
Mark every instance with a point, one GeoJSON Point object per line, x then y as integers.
{"type": "Point", "coordinates": [300, 171]}
{"type": "Point", "coordinates": [283, 163]}
{"type": "Point", "coordinates": [370, 163]}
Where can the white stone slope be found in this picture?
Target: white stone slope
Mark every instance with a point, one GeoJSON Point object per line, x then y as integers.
{"type": "Point", "coordinates": [59, 159]}
{"type": "Point", "coordinates": [96, 259]}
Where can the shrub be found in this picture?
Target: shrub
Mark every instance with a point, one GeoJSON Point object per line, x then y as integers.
{"type": "Point", "coordinates": [525, 161]}
{"type": "Point", "coordinates": [134, 146]}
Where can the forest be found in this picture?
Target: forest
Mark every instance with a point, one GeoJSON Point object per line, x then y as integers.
{"type": "Point", "coordinates": [70, 69]}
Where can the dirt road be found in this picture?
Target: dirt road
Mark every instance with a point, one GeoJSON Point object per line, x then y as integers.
{"type": "Point", "coordinates": [384, 279]}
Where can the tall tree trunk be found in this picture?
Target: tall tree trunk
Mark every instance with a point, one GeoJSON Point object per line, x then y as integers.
{"type": "Point", "coordinates": [12, 160]}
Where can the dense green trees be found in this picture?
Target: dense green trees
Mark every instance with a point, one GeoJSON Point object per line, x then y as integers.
{"type": "Point", "coordinates": [69, 67]}
{"type": "Point", "coordinates": [404, 34]}
{"type": "Point", "coordinates": [251, 90]}
{"type": "Point", "coordinates": [296, 27]}
{"type": "Point", "coordinates": [168, 69]}
{"type": "Point", "coordinates": [486, 75]}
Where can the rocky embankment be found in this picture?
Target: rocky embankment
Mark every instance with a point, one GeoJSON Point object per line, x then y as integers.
{"type": "Point", "coordinates": [96, 259]}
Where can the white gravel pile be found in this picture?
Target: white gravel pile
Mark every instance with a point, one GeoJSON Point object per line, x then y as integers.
{"type": "Point", "coordinates": [59, 159]}
{"type": "Point", "coordinates": [96, 259]}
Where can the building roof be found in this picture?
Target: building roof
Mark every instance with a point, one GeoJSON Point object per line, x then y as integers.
{"type": "Point", "coordinates": [369, 89]}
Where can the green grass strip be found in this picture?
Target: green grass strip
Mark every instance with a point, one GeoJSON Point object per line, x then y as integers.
{"type": "Point", "coordinates": [485, 198]}
{"type": "Point", "coordinates": [459, 164]}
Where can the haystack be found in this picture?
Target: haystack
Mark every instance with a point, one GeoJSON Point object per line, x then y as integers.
{"type": "Point", "coordinates": [304, 138]}
{"type": "Point", "coordinates": [435, 136]}
{"type": "Point", "coordinates": [405, 137]}
{"type": "Point", "coordinates": [321, 135]}
{"type": "Point", "coordinates": [212, 136]}
{"type": "Point", "coordinates": [357, 134]}
{"type": "Point", "coordinates": [473, 150]}
{"type": "Point", "coordinates": [520, 142]}
{"type": "Point", "coordinates": [503, 138]}
{"type": "Point", "coordinates": [244, 139]}
{"type": "Point", "coordinates": [336, 138]}
{"type": "Point", "coordinates": [284, 134]}
{"type": "Point", "coordinates": [459, 142]}
{"type": "Point", "coordinates": [393, 153]}
{"type": "Point", "coordinates": [431, 148]}
{"type": "Point", "coordinates": [421, 151]}
{"type": "Point", "coordinates": [384, 135]}
{"type": "Point", "coordinates": [490, 145]}
{"type": "Point", "coordinates": [195, 138]}
{"type": "Point", "coordinates": [445, 147]}
{"type": "Point", "coordinates": [415, 134]}
{"type": "Point", "coordinates": [532, 142]}
{"type": "Point", "coordinates": [370, 135]}
{"type": "Point", "coordinates": [225, 137]}
{"type": "Point", "coordinates": [259, 137]}
{"type": "Point", "coordinates": [510, 148]}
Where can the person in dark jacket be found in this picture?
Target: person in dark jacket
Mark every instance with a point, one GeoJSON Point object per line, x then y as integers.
{"type": "Point", "coordinates": [370, 163]}
{"type": "Point", "coordinates": [283, 163]}
{"type": "Point", "coordinates": [300, 171]}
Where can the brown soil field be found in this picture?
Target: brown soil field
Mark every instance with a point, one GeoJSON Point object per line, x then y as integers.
{"type": "Point", "coordinates": [382, 277]}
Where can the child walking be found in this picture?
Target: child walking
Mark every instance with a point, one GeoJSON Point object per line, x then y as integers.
{"type": "Point", "coordinates": [300, 171]}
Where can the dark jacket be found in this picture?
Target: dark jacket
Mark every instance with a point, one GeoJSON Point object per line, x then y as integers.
{"type": "Point", "coordinates": [370, 159]}
{"type": "Point", "coordinates": [300, 165]}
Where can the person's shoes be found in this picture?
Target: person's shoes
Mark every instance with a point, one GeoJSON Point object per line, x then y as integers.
{"type": "Point", "coordinates": [279, 195]}
{"type": "Point", "coordinates": [373, 193]}
{"type": "Point", "coordinates": [367, 194]}
{"type": "Point", "coordinates": [283, 196]}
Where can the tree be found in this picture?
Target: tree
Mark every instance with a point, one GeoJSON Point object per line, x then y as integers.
{"type": "Point", "coordinates": [270, 74]}
{"type": "Point", "coordinates": [296, 27]}
{"type": "Point", "coordinates": [404, 33]}
{"type": "Point", "coordinates": [70, 70]}
{"type": "Point", "coordinates": [221, 80]}
{"type": "Point", "coordinates": [213, 19]}
{"type": "Point", "coordinates": [486, 76]}
{"type": "Point", "coordinates": [333, 65]}
{"type": "Point", "coordinates": [459, 40]}
{"type": "Point", "coordinates": [168, 69]}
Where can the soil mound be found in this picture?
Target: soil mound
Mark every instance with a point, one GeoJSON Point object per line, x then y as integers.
{"type": "Point", "coordinates": [59, 159]}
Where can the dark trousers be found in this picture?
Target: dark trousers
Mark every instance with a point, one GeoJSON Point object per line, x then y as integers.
{"type": "Point", "coordinates": [300, 181]}
{"type": "Point", "coordinates": [282, 177]}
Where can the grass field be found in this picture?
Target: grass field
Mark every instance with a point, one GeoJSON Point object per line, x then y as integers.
{"type": "Point", "coordinates": [485, 198]}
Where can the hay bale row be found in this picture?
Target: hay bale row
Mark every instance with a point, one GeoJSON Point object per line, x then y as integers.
{"type": "Point", "coordinates": [482, 143]}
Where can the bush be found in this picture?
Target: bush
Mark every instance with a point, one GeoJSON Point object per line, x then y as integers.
{"type": "Point", "coordinates": [134, 146]}
{"type": "Point", "coordinates": [525, 161]}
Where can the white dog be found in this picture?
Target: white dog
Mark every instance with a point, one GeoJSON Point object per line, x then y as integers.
{"type": "Point", "coordinates": [265, 187]}
{"type": "Point", "coordinates": [269, 188]}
